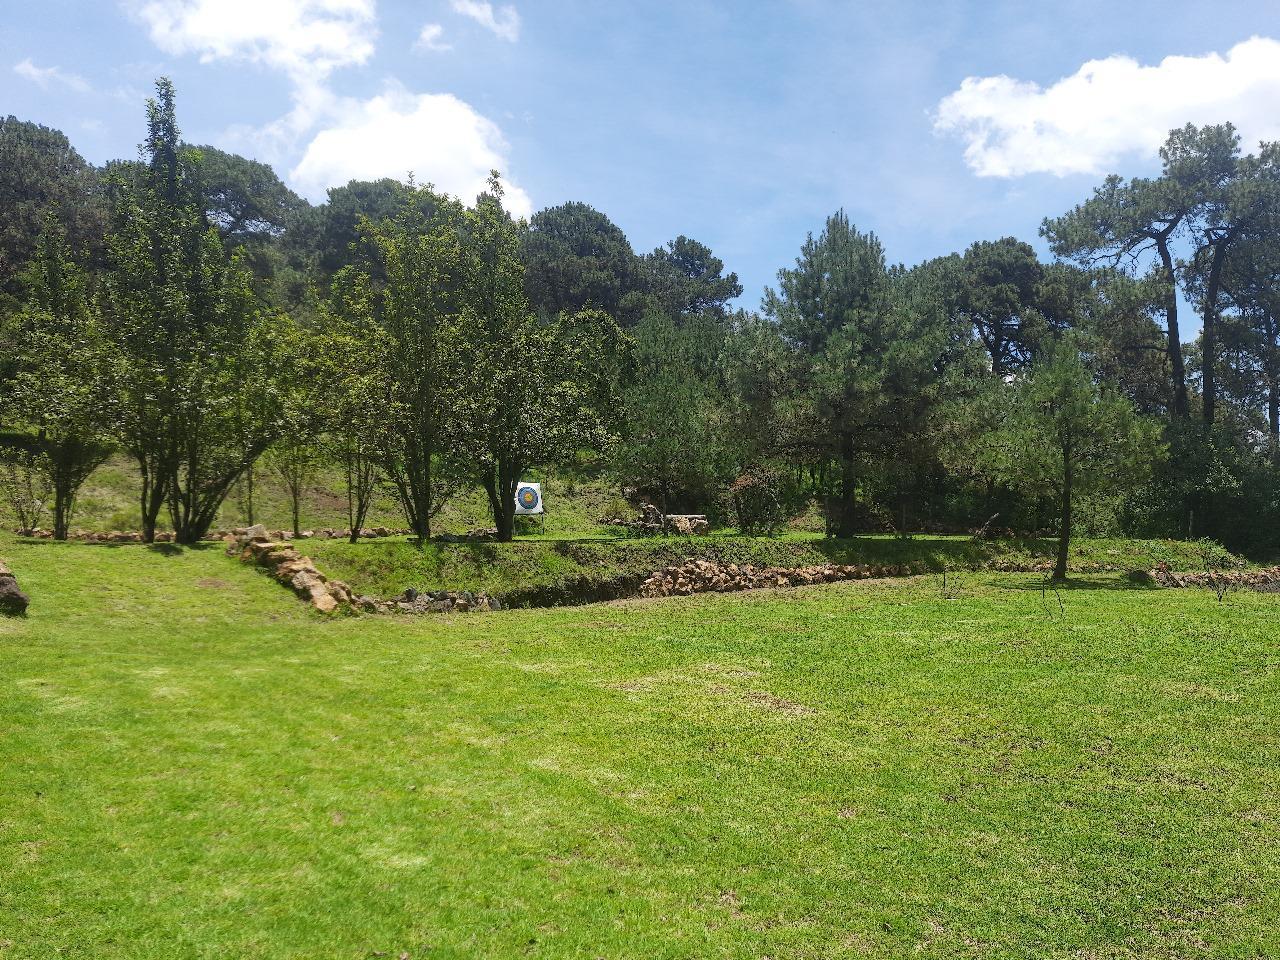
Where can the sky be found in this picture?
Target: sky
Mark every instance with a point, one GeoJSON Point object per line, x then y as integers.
{"type": "Point", "coordinates": [741, 124]}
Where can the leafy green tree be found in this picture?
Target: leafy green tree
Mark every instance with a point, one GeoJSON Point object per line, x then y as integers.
{"type": "Point", "coordinates": [1056, 430]}
{"type": "Point", "coordinates": [296, 459]}
{"type": "Point", "coordinates": [62, 397]}
{"type": "Point", "coordinates": [870, 349]}
{"type": "Point", "coordinates": [25, 484]}
{"type": "Point", "coordinates": [41, 174]}
{"type": "Point", "coordinates": [243, 198]}
{"type": "Point", "coordinates": [677, 424]}
{"type": "Point", "coordinates": [199, 401]}
{"type": "Point", "coordinates": [1126, 221]}
{"type": "Point", "coordinates": [1252, 282]}
{"type": "Point", "coordinates": [1114, 315]}
{"type": "Point", "coordinates": [536, 391]}
{"type": "Point", "coordinates": [684, 279]}
{"type": "Point", "coordinates": [995, 290]}
{"type": "Point", "coordinates": [407, 313]}
{"type": "Point", "coordinates": [576, 257]}
{"type": "Point", "coordinates": [336, 227]}
{"type": "Point", "coordinates": [1245, 203]}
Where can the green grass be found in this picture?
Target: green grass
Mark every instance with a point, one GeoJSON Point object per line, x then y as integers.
{"type": "Point", "coordinates": [537, 571]}
{"type": "Point", "coordinates": [195, 765]}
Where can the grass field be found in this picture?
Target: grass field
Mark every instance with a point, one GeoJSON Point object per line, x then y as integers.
{"type": "Point", "coordinates": [195, 765]}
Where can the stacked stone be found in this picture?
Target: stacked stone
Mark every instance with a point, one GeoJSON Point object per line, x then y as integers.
{"type": "Point", "coordinates": [706, 576]}
{"type": "Point", "coordinates": [652, 521]}
{"type": "Point", "coordinates": [13, 602]}
{"type": "Point", "coordinates": [255, 545]}
{"type": "Point", "coordinates": [440, 601]}
{"type": "Point", "coordinates": [1266, 579]}
{"type": "Point", "coordinates": [481, 534]}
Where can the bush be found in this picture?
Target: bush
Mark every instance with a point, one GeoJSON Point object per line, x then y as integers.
{"type": "Point", "coordinates": [757, 501]}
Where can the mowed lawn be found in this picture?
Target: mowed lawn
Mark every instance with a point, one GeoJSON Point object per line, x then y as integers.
{"type": "Point", "coordinates": [195, 765]}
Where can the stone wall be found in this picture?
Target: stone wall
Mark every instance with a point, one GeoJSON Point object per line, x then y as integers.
{"type": "Point", "coordinates": [707, 576]}
{"type": "Point", "coordinates": [1265, 579]}
{"type": "Point", "coordinates": [287, 566]}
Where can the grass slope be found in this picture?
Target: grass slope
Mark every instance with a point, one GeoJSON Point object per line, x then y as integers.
{"type": "Point", "coordinates": [109, 501]}
{"type": "Point", "coordinates": [196, 766]}
{"type": "Point", "coordinates": [538, 571]}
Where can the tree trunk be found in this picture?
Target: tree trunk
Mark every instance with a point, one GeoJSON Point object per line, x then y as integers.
{"type": "Point", "coordinates": [1064, 527]}
{"type": "Point", "coordinates": [1171, 327]}
{"type": "Point", "coordinates": [295, 504]}
{"type": "Point", "coordinates": [248, 492]}
{"type": "Point", "coordinates": [155, 490]}
{"type": "Point", "coordinates": [1209, 335]}
{"type": "Point", "coordinates": [848, 490]}
{"type": "Point", "coordinates": [1273, 418]}
{"type": "Point", "coordinates": [62, 497]}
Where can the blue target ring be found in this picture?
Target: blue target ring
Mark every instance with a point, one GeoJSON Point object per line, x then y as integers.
{"type": "Point", "coordinates": [527, 497]}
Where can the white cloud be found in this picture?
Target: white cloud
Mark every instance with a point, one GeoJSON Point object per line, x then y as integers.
{"type": "Point", "coordinates": [44, 76]}
{"type": "Point", "coordinates": [301, 37]}
{"type": "Point", "coordinates": [503, 21]}
{"type": "Point", "coordinates": [437, 137]}
{"type": "Point", "coordinates": [429, 38]}
{"type": "Point", "coordinates": [1111, 108]}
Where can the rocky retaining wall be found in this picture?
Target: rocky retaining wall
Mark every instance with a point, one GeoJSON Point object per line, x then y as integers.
{"type": "Point", "coordinates": [289, 567]}
{"type": "Point", "coordinates": [706, 576]}
{"type": "Point", "coordinates": [13, 602]}
{"type": "Point", "coordinates": [1266, 579]}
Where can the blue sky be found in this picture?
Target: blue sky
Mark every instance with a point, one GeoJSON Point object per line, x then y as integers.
{"type": "Point", "coordinates": [740, 124]}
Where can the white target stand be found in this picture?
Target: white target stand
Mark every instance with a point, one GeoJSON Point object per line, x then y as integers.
{"type": "Point", "coordinates": [529, 502]}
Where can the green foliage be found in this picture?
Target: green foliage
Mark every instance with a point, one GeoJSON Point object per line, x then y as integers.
{"type": "Point", "coordinates": [400, 343]}
{"type": "Point", "coordinates": [575, 257]}
{"type": "Point", "coordinates": [1056, 431]}
{"type": "Point", "coordinates": [42, 175]}
{"type": "Point", "coordinates": [199, 358]}
{"type": "Point", "coordinates": [678, 427]}
{"type": "Point", "coordinates": [870, 348]}
{"type": "Point", "coordinates": [63, 393]}
{"type": "Point", "coordinates": [536, 391]}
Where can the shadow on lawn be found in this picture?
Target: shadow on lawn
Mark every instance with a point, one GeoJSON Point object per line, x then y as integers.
{"type": "Point", "coordinates": [1119, 583]}
{"type": "Point", "coordinates": [164, 549]}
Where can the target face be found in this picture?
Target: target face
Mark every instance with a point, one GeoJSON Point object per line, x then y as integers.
{"type": "Point", "coordinates": [529, 498]}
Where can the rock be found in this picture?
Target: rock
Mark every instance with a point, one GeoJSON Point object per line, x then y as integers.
{"type": "Point", "coordinates": [324, 602]}
{"type": "Point", "coordinates": [256, 532]}
{"type": "Point", "coordinates": [13, 602]}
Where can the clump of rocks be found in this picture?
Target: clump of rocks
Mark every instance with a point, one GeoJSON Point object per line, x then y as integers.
{"type": "Point", "coordinates": [13, 602]}
{"type": "Point", "coordinates": [370, 533]}
{"type": "Point", "coordinates": [255, 545]}
{"type": "Point", "coordinates": [709, 576]}
{"type": "Point", "coordinates": [479, 535]}
{"type": "Point", "coordinates": [440, 601]}
{"type": "Point", "coordinates": [1266, 579]}
{"type": "Point", "coordinates": [653, 521]}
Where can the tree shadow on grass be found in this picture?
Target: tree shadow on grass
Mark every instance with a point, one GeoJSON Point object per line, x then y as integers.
{"type": "Point", "coordinates": [164, 549]}
{"type": "Point", "coordinates": [1115, 584]}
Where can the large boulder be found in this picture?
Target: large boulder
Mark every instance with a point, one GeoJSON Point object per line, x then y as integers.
{"type": "Point", "coordinates": [13, 602]}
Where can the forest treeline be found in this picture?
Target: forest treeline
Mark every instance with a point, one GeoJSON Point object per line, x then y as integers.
{"type": "Point", "coordinates": [187, 309]}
